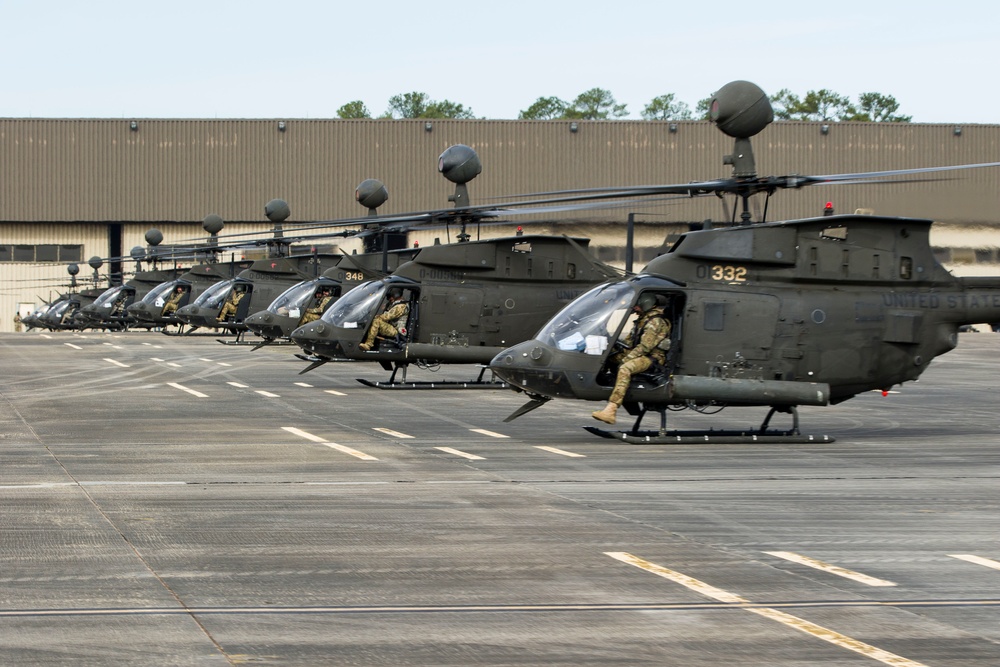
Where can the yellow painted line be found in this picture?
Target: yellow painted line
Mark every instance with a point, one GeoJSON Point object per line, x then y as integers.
{"type": "Point", "coordinates": [483, 431]}
{"type": "Point", "coordinates": [332, 445]}
{"type": "Point", "coordinates": [978, 560]}
{"type": "Point", "coordinates": [75, 347]}
{"type": "Point", "coordinates": [390, 432]}
{"type": "Point", "coordinates": [335, 393]}
{"type": "Point", "coordinates": [800, 624]}
{"type": "Point", "coordinates": [267, 393]}
{"type": "Point", "coordinates": [832, 569]}
{"type": "Point", "coordinates": [303, 384]}
{"type": "Point", "coordinates": [563, 452]}
{"type": "Point", "coordinates": [116, 363]}
{"type": "Point", "coordinates": [466, 455]}
{"type": "Point", "coordinates": [238, 384]}
{"type": "Point", "coordinates": [190, 391]}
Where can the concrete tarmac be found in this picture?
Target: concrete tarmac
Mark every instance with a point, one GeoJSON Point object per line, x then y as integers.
{"type": "Point", "coordinates": [174, 501]}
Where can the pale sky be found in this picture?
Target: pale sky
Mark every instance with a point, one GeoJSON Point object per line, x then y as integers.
{"type": "Point", "coordinates": [306, 58]}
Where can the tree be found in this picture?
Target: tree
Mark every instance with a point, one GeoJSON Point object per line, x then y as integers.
{"type": "Point", "coordinates": [878, 108]}
{"type": "Point", "coordinates": [595, 104]}
{"type": "Point", "coordinates": [355, 109]}
{"type": "Point", "coordinates": [664, 107]}
{"type": "Point", "coordinates": [824, 105]}
{"type": "Point", "coordinates": [419, 105]}
{"type": "Point", "coordinates": [545, 108]}
{"type": "Point", "coordinates": [784, 102]}
{"type": "Point", "coordinates": [703, 110]}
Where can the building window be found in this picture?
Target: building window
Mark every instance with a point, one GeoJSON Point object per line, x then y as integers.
{"type": "Point", "coordinates": [41, 253]}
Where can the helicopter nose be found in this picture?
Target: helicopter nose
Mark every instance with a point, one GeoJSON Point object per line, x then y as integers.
{"type": "Point", "coordinates": [529, 366]}
{"type": "Point", "coordinates": [314, 331]}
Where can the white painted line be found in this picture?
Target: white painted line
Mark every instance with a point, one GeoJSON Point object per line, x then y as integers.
{"type": "Point", "coordinates": [483, 431]}
{"type": "Point", "coordinates": [303, 434]}
{"type": "Point", "coordinates": [978, 560]}
{"type": "Point", "coordinates": [390, 432]}
{"type": "Point", "coordinates": [267, 393]}
{"type": "Point", "coordinates": [466, 455]}
{"type": "Point", "coordinates": [795, 622]}
{"type": "Point", "coordinates": [170, 363]}
{"type": "Point", "coordinates": [190, 391]}
{"type": "Point", "coordinates": [116, 363]}
{"type": "Point", "coordinates": [147, 344]}
{"type": "Point", "coordinates": [332, 445]}
{"type": "Point", "coordinates": [156, 359]}
{"type": "Point", "coordinates": [45, 336]}
{"type": "Point", "coordinates": [303, 384]}
{"type": "Point", "coordinates": [222, 363]}
{"type": "Point", "coordinates": [563, 452]}
{"type": "Point", "coordinates": [237, 384]}
{"type": "Point", "coordinates": [75, 347]}
{"type": "Point", "coordinates": [335, 393]}
{"type": "Point", "coordinates": [204, 359]}
{"type": "Point", "coordinates": [117, 347]}
{"type": "Point", "coordinates": [832, 569]}
{"type": "Point", "coordinates": [348, 450]}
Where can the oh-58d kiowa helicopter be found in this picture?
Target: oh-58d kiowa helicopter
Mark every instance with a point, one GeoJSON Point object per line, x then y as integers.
{"type": "Point", "coordinates": [465, 301]}
{"type": "Point", "coordinates": [767, 314]}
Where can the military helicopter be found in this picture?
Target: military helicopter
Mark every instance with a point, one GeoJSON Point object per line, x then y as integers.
{"type": "Point", "coordinates": [306, 301]}
{"type": "Point", "coordinates": [110, 309]}
{"type": "Point", "coordinates": [768, 314]}
{"type": "Point", "coordinates": [227, 304]}
{"type": "Point", "coordinates": [466, 301]}
{"type": "Point", "coordinates": [158, 307]}
{"type": "Point", "coordinates": [63, 312]}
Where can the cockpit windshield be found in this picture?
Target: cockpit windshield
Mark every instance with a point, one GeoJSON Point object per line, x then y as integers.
{"type": "Point", "coordinates": [213, 296]}
{"type": "Point", "coordinates": [589, 323]}
{"type": "Point", "coordinates": [109, 296]}
{"type": "Point", "coordinates": [354, 309]}
{"type": "Point", "coordinates": [157, 296]}
{"type": "Point", "coordinates": [294, 299]}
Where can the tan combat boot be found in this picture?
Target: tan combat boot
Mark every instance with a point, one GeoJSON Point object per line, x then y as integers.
{"type": "Point", "coordinates": [365, 346]}
{"type": "Point", "coordinates": [607, 415]}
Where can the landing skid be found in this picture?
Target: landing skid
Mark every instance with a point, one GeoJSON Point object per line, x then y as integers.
{"type": "Point", "coordinates": [478, 383]}
{"type": "Point", "coordinates": [761, 435]}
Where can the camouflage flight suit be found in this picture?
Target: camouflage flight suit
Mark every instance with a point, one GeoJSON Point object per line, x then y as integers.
{"type": "Point", "coordinates": [172, 303]}
{"type": "Point", "coordinates": [651, 328]}
{"type": "Point", "coordinates": [389, 323]}
{"type": "Point", "coordinates": [229, 309]}
{"type": "Point", "coordinates": [315, 313]}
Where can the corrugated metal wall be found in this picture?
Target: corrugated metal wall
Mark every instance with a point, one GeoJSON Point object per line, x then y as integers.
{"type": "Point", "coordinates": [182, 170]}
{"type": "Point", "coordinates": [170, 174]}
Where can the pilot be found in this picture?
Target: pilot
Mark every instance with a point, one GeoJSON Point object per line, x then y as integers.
{"type": "Point", "coordinates": [390, 323]}
{"type": "Point", "coordinates": [174, 302]}
{"type": "Point", "coordinates": [229, 308]}
{"type": "Point", "coordinates": [323, 297]}
{"type": "Point", "coordinates": [645, 345]}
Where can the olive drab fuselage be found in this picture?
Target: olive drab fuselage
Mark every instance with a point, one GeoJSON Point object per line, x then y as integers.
{"type": "Point", "coordinates": [467, 300]}
{"type": "Point", "coordinates": [801, 312]}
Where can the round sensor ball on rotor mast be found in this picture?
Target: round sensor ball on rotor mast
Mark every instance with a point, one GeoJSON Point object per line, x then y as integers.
{"type": "Point", "coordinates": [741, 109]}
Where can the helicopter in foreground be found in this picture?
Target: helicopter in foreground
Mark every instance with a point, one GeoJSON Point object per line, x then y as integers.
{"type": "Point", "coordinates": [464, 301]}
{"type": "Point", "coordinates": [768, 314]}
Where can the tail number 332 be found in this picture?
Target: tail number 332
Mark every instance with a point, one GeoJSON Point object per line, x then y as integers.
{"type": "Point", "coordinates": [724, 272]}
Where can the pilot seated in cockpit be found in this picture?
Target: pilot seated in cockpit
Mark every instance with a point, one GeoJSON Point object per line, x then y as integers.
{"type": "Point", "coordinates": [645, 345]}
{"type": "Point", "coordinates": [390, 323]}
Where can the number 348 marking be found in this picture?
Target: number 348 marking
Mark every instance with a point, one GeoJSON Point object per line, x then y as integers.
{"type": "Point", "coordinates": [728, 273]}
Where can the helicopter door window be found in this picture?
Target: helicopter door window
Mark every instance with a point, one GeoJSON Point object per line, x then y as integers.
{"type": "Point", "coordinates": [357, 307]}
{"type": "Point", "coordinates": [906, 268]}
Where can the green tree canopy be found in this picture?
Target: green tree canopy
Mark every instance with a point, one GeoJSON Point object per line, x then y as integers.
{"type": "Point", "coordinates": [878, 108]}
{"type": "Point", "coordinates": [827, 105]}
{"type": "Point", "coordinates": [355, 109]}
{"type": "Point", "coordinates": [595, 104]}
{"type": "Point", "coordinates": [419, 105]}
{"type": "Point", "coordinates": [545, 108]}
{"type": "Point", "coordinates": [666, 107]}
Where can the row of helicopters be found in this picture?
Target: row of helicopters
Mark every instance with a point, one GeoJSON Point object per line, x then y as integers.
{"type": "Point", "coordinates": [772, 315]}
